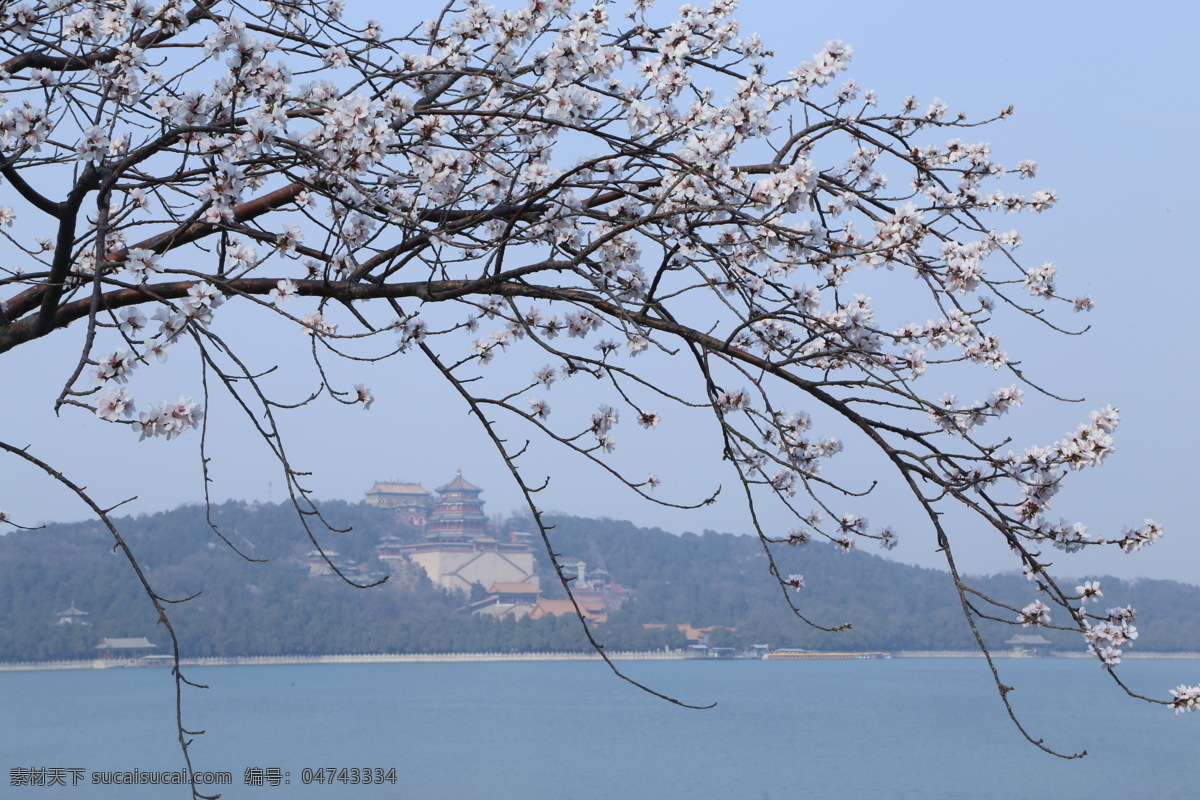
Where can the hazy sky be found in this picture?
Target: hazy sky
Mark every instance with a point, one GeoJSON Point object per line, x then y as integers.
{"type": "Point", "coordinates": [1105, 100]}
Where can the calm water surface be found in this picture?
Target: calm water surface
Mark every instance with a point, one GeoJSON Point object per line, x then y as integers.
{"type": "Point", "coordinates": [526, 731]}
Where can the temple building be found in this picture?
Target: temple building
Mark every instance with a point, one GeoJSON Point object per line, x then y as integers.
{"type": "Point", "coordinates": [516, 600]}
{"type": "Point", "coordinates": [72, 616]}
{"type": "Point", "coordinates": [458, 514]}
{"type": "Point", "coordinates": [594, 587]}
{"type": "Point", "coordinates": [460, 549]}
{"type": "Point", "coordinates": [461, 552]}
{"type": "Point", "coordinates": [459, 565]}
{"type": "Point", "coordinates": [126, 649]}
{"type": "Point", "coordinates": [410, 502]}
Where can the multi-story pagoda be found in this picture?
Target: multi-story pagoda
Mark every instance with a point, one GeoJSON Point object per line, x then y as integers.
{"type": "Point", "coordinates": [458, 514]}
{"type": "Point", "coordinates": [458, 550]}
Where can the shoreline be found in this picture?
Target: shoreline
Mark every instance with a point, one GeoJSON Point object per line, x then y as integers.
{"type": "Point", "coordinates": [450, 658]}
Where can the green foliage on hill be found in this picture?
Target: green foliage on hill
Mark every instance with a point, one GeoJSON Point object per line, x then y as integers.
{"type": "Point", "coordinates": [721, 579]}
{"type": "Point", "coordinates": [276, 607]}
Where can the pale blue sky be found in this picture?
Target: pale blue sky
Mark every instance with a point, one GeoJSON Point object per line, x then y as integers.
{"type": "Point", "coordinates": [1106, 104]}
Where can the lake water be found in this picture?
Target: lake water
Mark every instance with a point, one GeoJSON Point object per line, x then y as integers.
{"type": "Point", "coordinates": [904, 728]}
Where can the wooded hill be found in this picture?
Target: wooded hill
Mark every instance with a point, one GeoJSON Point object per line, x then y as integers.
{"type": "Point", "coordinates": [276, 607]}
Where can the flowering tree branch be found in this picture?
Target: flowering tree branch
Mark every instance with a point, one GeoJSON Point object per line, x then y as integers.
{"type": "Point", "coordinates": [609, 194]}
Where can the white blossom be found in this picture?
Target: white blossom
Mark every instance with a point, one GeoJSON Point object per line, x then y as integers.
{"type": "Point", "coordinates": [1089, 591]}
{"type": "Point", "coordinates": [94, 144]}
{"type": "Point", "coordinates": [115, 367]}
{"type": "Point", "coordinates": [317, 324]}
{"type": "Point", "coordinates": [362, 394]}
{"type": "Point", "coordinates": [133, 322]}
{"type": "Point", "coordinates": [142, 263]}
{"type": "Point", "coordinates": [1185, 698]}
{"type": "Point", "coordinates": [1036, 613]}
{"type": "Point", "coordinates": [202, 299]}
{"type": "Point", "coordinates": [283, 292]}
{"type": "Point", "coordinates": [169, 418]}
{"type": "Point", "coordinates": [1136, 539]}
{"type": "Point", "coordinates": [114, 404]}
